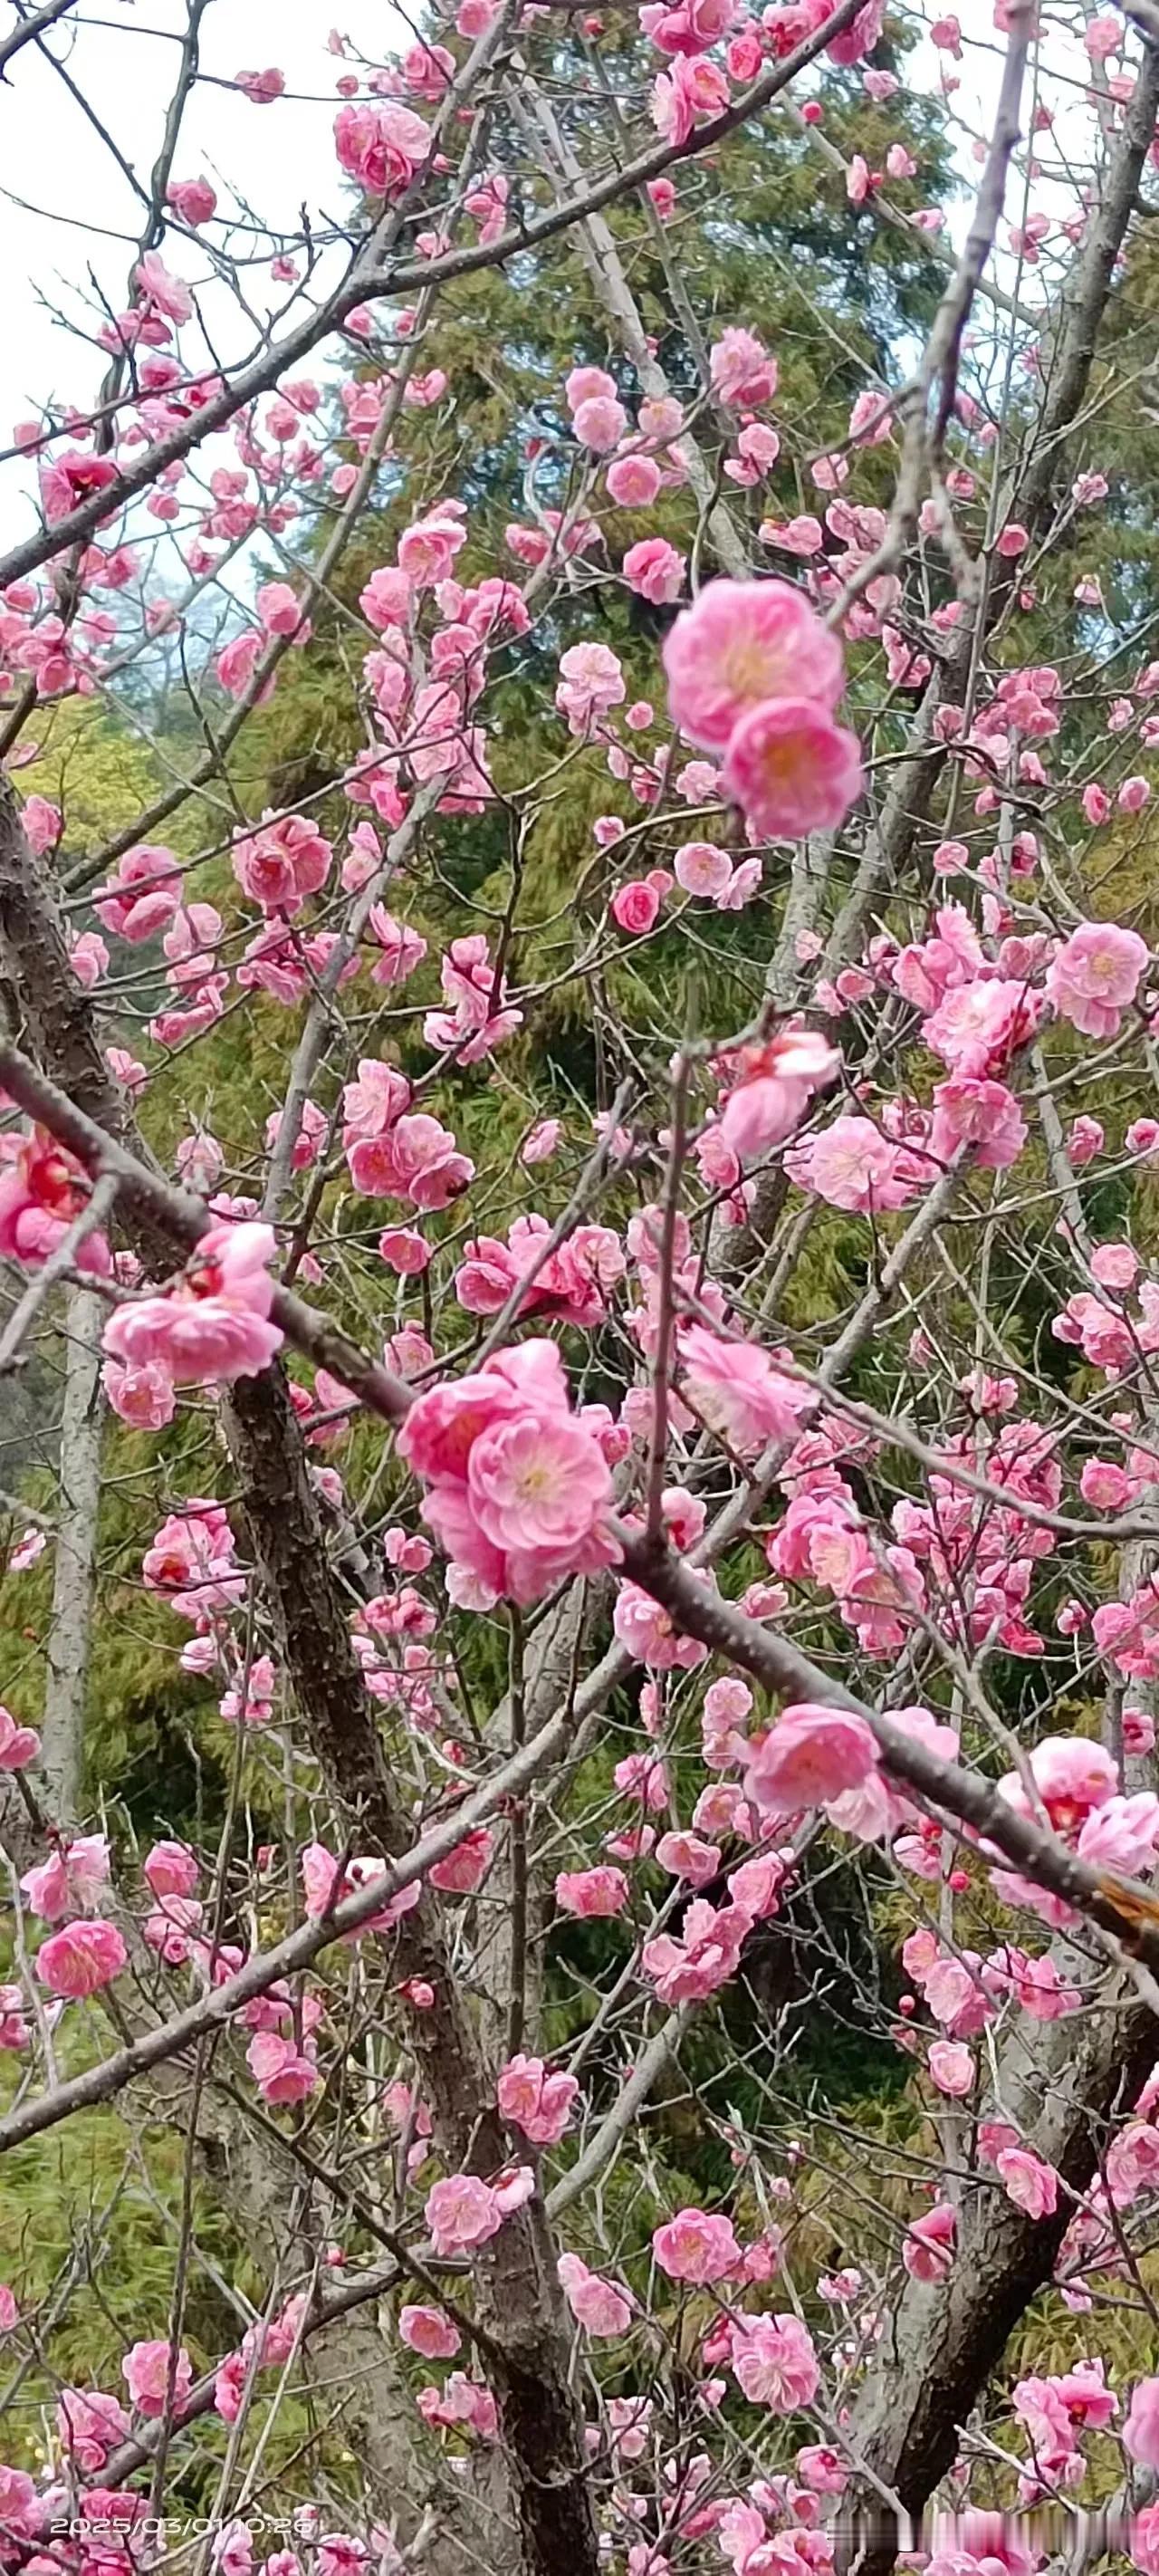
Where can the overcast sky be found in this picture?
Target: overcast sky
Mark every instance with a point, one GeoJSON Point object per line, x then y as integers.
{"type": "Point", "coordinates": [70, 212]}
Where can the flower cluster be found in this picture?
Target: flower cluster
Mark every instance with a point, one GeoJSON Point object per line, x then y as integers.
{"type": "Point", "coordinates": [754, 676]}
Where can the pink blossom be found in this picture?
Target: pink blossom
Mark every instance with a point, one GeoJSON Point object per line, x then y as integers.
{"type": "Point", "coordinates": [596, 2304]}
{"type": "Point", "coordinates": [237, 660]}
{"type": "Point", "coordinates": [21, 2509]}
{"type": "Point", "coordinates": [635, 906]}
{"type": "Point", "coordinates": [633, 482]}
{"type": "Point", "coordinates": [951, 2067]}
{"type": "Point", "coordinates": [537, 2100]}
{"type": "Point", "coordinates": [541, 1143]}
{"type": "Point", "coordinates": [462, 2404]}
{"type": "Point", "coordinates": [811, 1754]}
{"type": "Point", "coordinates": [688, 1857]}
{"type": "Point", "coordinates": [42, 1190]}
{"type": "Point", "coordinates": [19, 1745]}
{"type": "Point", "coordinates": [1143, 2544]}
{"type": "Point", "coordinates": [142, 1396]}
{"type": "Point", "coordinates": [1027, 2181]}
{"type": "Point", "coordinates": [282, 863]}
{"type": "Point", "coordinates": [261, 88]}
{"type": "Point", "coordinates": [465, 2211]}
{"type": "Point", "coordinates": [427, 549]}
{"type": "Point", "coordinates": [90, 2424]}
{"type": "Point", "coordinates": [1141, 2424]}
{"type": "Point", "coordinates": [429, 2331]}
{"type": "Point", "coordinates": [170, 1869]}
{"type": "Point", "coordinates": [1096, 975]}
{"type": "Point", "coordinates": [704, 1958]}
{"type": "Point", "coordinates": [737, 1392]}
{"type": "Point", "coordinates": [774, 2362]}
{"type": "Point", "coordinates": [464, 1868]}
{"type": "Point", "coordinates": [928, 2248]}
{"type": "Point", "coordinates": [591, 1892]}
{"type": "Point", "coordinates": [147, 2369]}
{"type": "Point", "coordinates": [773, 1085]}
{"type": "Point", "coordinates": [852, 1165]}
{"type": "Point", "coordinates": [599, 423]}
{"type": "Point", "coordinates": [81, 1958]}
{"type": "Point", "coordinates": [168, 294]}
{"type": "Point", "coordinates": [381, 145]}
{"type": "Point", "coordinates": [519, 1491]}
{"type": "Point", "coordinates": [655, 570]}
{"type": "Point", "coordinates": [42, 823]}
{"type": "Point", "coordinates": [696, 2247]}
{"type": "Point", "coordinates": [416, 1159]}
{"type": "Point", "coordinates": [982, 1114]}
{"type": "Point", "coordinates": [462, 2212]}
{"type": "Point", "coordinates": [1072, 1775]}
{"type": "Point", "coordinates": [73, 1875]}
{"type": "Point", "coordinates": [214, 1326]}
{"type": "Point", "coordinates": [279, 610]}
{"type": "Point", "coordinates": [282, 2072]}
{"type": "Point", "coordinates": [742, 371]}
{"type": "Point", "coordinates": [193, 199]}
{"type": "Point", "coordinates": [742, 643]}
{"type": "Point", "coordinates": [701, 868]}
{"type": "Point", "coordinates": [590, 682]}
{"type": "Point", "coordinates": [979, 1026]}
{"type": "Point", "coordinates": [683, 97]}
{"type": "Point", "coordinates": [791, 769]}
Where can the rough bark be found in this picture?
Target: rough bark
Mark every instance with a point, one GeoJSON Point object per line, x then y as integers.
{"type": "Point", "coordinates": [74, 1579]}
{"type": "Point", "coordinates": [1060, 2084]}
{"type": "Point", "coordinates": [520, 2302]}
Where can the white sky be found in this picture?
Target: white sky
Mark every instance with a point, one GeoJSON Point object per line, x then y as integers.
{"type": "Point", "coordinates": [68, 211]}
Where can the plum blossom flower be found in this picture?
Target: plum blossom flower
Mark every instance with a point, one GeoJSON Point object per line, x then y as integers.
{"type": "Point", "coordinates": [737, 1392]}
{"type": "Point", "coordinates": [951, 2067]}
{"type": "Point", "coordinates": [19, 1745]}
{"type": "Point", "coordinates": [214, 1325]}
{"type": "Point", "coordinates": [464, 2211]}
{"type": "Point", "coordinates": [147, 2368]}
{"type": "Point", "coordinates": [850, 1164]}
{"type": "Point", "coordinates": [704, 1958]}
{"type": "Point", "coordinates": [591, 1892]}
{"type": "Point", "coordinates": [1095, 976]}
{"type": "Point", "coordinates": [811, 1754]}
{"type": "Point", "coordinates": [928, 2248]}
{"type": "Point", "coordinates": [772, 1086]}
{"type": "Point", "coordinates": [381, 144]}
{"type": "Point", "coordinates": [429, 2331]}
{"type": "Point", "coordinates": [742, 643]}
{"type": "Point", "coordinates": [774, 2362]}
{"type": "Point", "coordinates": [591, 681]}
{"type": "Point", "coordinates": [282, 2072]}
{"type": "Point", "coordinates": [538, 2100]}
{"type": "Point", "coordinates": [598, 2305]}
{"type": "Point", "coordinates": [144, 894]}
{"type": "Point", "coordinates": [518, 1489]}
{"type": "Point", "coordinates": [696, 2247]}
{"type": "Point", "coordinates": [1141, 2424]}
{"type": "Point", "coordinates": [42, 1191]}
{"type": "Point", "coordinates": [792, 770]}
{"type": "Point", "coordinates": [741, 369]}
{"type": "Point", "coordinates": [655, 570]}
{"type": "Point", "coordinates": [1027, 2181]}
{"type": "Point", "coordinates": [282, 862]}
{"type": "Point", "coordinates": [90, 2424]}
{"type": "Point", "coordinates": [261, 88]}
{"type": "Point", "coordinates": [73, 1875]}
{"type": "Point", "coordinates": [81, 1957]}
